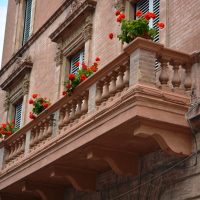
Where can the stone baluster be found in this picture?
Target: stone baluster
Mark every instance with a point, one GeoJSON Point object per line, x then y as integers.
{"type": "Point", "coordinates": [176, 81]}
{"type": "Point", "coordinates": [84, 107]}
{"type": "Point", "coordinates": [127, 75]}
{"type": "Point", "coordinates": [164, 77]}
{"type": "Point", "coordinates": [22, 149]}
{"type": "Point", "coordinates": [19, 146]}
{"type": "Point", "coordinates": [61, 120]}
{"type": "Point", "coordinates": [73, 110]}
{"type": "Point", "coordinates": [50, 126]}
{"type": "Point", "coordinates": [41, 128]}
{"type": "Point", "coordinates": [6, 157]}
{"type": "Point", "coordinates": [113, 88]}
{"type": "Point", "coordinates": [98, 97]}
{"type": "Point", "coordinates": [120, 81]}
{"type": "Point", "coordinates": [16, 147]}
{"type": "Point", "coordinates": [105, 91]}
{"type": "Point", "coordinates": [78, 108]}
{"type": "Point", "coordinates": [33, 137]}
{"type": "Point", "coordinates": [188, 79]}
{"type": "Point", "coordinates": [37, 137]}
{"type": "Point", "coordinates": [67, 114]}
{"type": "Point", "coordinates": [10, 152]}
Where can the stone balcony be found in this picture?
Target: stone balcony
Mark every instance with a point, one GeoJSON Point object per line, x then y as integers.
{"type": "Point", "coordinates": [125, 110]}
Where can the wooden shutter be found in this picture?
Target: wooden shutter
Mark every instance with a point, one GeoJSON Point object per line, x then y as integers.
{"type": "Point", "coordinates": [151, 6]}
{"type": "Point", "coordinates": [78, 57]}
{"type": "Point", "coordinates": [18, 115]}
{"type": "Point", "coordinates": [27, 20]}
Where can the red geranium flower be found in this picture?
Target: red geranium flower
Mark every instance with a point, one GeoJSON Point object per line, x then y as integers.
{"type": "Point", "coordinates": [119, 19]}
{"type": "Point", "coordinates": [64, 93]}
{"type": "Point", "coordinates": [152, 15]}
{"type": "Point", "coordinates": [4, 125]}
{"type": "Point", "coordinates": [83, 77]}
{"type": "Point", "coordinates": [45, 105]}
{"type": "Point", "coordinates": [139, 13]}
{"type": "Point", "coordinates": [147, 16]}
{"type": "Point", "coordinates": [32, 116]}
{"type": "Point", "coordinates": [111, 35]}
{"type": "Point", "coordinates": [68, 86]}
{"type": "Point", "coordinates": [77, 64]}
{"type": "Point", "coordinates": [161, 25]}
{"type": "Point", "coordinates": [71, 76]}
{"type": "Point", "coordinates": [34, 95]}
{"type": "Point", "coordinates": [93, 68]}
{"type": "Point", "coordinates": [97, 59]}
{"type": "Point", "coordinates": [84, 66]}
{"type": "Point", "coordinates": [117, 12]}
{"type": "Point", "coordinates": [31, 101]}
{"type": "Point", "coordinates": [122, 15]}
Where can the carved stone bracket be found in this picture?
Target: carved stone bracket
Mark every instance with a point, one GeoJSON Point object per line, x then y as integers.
{"type": "Point", "coordinates": [43, 191]}
{"type": "Point", "coordinates": [122, 163]}
{"type": "Point", "coordinates": [81, 180]}
{"type": "Point", "coordinates": [119, 5]}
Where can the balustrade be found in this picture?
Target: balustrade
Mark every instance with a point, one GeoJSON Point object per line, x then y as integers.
{"type": "Point", "coordinates": [130, 68]}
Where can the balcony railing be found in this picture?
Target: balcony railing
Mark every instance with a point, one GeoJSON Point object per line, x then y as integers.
{"type": "Point", "coordinates": [107, 87]}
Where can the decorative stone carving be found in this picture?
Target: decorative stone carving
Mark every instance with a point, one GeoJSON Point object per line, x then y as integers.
{"type": "Point", "coordinates": [7, 102]}
{"type": "Point", "coordinates": [59, 54]}
{"type": "Point", "coordinates": [119, 5]}
{"type": "Point", "coordinates": [87, 29]}
{"type": "Point", "coordinates": [25, 84]}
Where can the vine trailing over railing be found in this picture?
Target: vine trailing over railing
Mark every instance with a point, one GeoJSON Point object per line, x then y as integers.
{"type": "Point", "coordinates": [83, 73]}
{"type": "Point", "coordinates": [39, 105]}
{"type": "Point", "coordinates": [131, 29]}
{"type": "Point", "coordinates": [7, 129]}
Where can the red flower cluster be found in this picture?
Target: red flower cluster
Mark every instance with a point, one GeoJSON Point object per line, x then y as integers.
{"type": "Point", "coordinates": [149, 15]}
{"type": "Point", "coordinates": [39, 104]}
{"type": "Point", "coordinates": [7, 129]}
{"type": "Point", "coordinates": [120, 16]}
{"type": "Point", "coordinates": [83, 73]}
{"type": "Point", "coordinates": [161, 25]}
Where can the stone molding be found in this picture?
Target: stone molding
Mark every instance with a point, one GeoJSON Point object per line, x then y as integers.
{"type": "Point", "coordinates": [20, 75]}
{"type": "Point", "coordinates": [36, 35]}
{"type": "Point", "coordinates": [85, 7]}
{"type": "Point", "coordinates": [70, 43]}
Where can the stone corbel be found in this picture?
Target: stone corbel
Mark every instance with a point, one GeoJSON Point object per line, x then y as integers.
{"type": "Point", "coordinates": [87, 29]}
{"type": "Point", "coordinates": [26, 84]}
{"type": "Point", "coordinates": [7, 102]}
{"type": "Point", "coordinates": [59, 54]}
{"type": "Point", "coordinates": [81, 180]}
{"type": "Point", "coordinates": [43, 191]}
{"type": "Point", "coordinates": [122, 163]}
{"type": "Point", "coordinates": [119, 5]}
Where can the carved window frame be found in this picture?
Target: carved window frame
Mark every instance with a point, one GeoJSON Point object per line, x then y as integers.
{"type": "Point", "coordinates": [19, 23]}
{"type": "Point", "coordinates": [16, 86]}
{"type": "Point", "coordinates": [74, 34]}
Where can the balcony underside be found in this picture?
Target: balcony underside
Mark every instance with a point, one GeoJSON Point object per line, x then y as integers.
{"type": "Point", "coordinates": [134, 123]}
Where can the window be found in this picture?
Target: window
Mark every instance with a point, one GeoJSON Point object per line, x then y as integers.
{"type": "Point", "coordinates": [27, 21]}
{"type": "Point", "coordinates": [151, 6]}
{"type": "Point", "coordinates": [78, 57]}
{"type": "Point", "coordinates": [18, 114]}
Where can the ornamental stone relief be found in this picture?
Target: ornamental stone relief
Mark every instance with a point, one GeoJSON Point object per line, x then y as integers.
{"type": "Point", "coordinates": [119, 5]}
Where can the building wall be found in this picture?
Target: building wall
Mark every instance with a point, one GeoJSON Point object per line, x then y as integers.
{"type": "Point", "coordinates": [9, 33]}
{"type": "Point", "coordinates": [183, 25]}
{"type": "Point", "coordinates": [183, 31]}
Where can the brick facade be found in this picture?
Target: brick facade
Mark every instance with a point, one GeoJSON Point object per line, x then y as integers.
{"type": "Point", "coordinates": [182, 33]}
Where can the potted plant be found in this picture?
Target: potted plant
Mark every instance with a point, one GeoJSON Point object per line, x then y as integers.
{"type": "Point", "coordinates": [7, 129]}
{"type": "Point", "coordinates": [83, 73]}
{"type": "Point", "coordinates": [39, 105]}
{"type": "Point", "coordinates": [131, 29]}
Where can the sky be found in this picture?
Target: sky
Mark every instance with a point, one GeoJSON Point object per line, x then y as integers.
{"type": "Point", "coordinates": [3, 10]}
